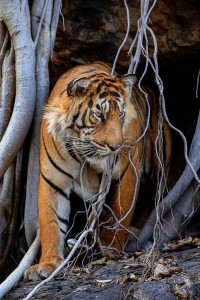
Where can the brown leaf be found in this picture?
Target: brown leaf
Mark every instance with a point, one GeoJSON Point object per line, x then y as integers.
{"type": "Point", "coordinates": [182, 244]}
{"type": "Point", "coordinates": [98, 262]}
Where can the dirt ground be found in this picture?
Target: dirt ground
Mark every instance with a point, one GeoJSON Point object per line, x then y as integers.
{"type": "Point", "coordinates": [168, 275]}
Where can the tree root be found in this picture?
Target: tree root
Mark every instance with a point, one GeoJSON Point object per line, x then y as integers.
{"type": "Point", "coordinates": [25, 263]}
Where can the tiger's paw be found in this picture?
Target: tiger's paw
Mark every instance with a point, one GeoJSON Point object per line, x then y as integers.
{"type": "Point", "coordinates": [40, 271]}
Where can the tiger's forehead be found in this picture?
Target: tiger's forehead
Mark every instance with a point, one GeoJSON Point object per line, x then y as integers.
{"type": "Point", "coordinates": [104, 81]}
{"type": "Point", "coordinates": [105, 89]}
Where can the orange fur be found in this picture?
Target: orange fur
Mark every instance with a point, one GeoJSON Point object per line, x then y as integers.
{"type": "Point", "coordinates": [89, 117]}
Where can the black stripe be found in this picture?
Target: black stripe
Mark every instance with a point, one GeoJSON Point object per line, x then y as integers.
{"type": "Point", "coordinates": [90, 103]}
{"type": "Point", "coordinates": [115, 94]}
{"type": "Point", "coordinates": [98, 107]}
{"type": "Point", "coordinates": [53, 186]}
{"type": "Point", "coordinates": [112, 85]}
{"type": "Point", "coordinates": [91, 70]}
{"type": "Point", "coordinates": [57, 149]}
{"type": "Point", "coordinates": [54, 164]}
{"type": "Point", "coordinates": [103, 95]}
{"type": "Point", "coordinates": [64, 232]}
{"type": "Point", "coordinates": [75, 117]}
{"type": "Point", "coordinates": [89, 133]}
{"type": "Point", "coordinates": [99, 87]}
{"type": "Point", "coordinates": [95, 80]}
{"type": "Point", "coordinates": [62, 220]}
{"type": "Point", "coordinates": [84, 116]}
{"type": "Point", "coordinates": [73, 155]}
{"type": "Point", "coordinates": [90, 115]}
{"type": "Point", "coordinates": [63, 91]}
{"type": "Point", "coordinates": [110, 80]}
{"type": "Point", "coordinates": [71, 152]}
{"type": "Point", "coordinates": [84, 126]}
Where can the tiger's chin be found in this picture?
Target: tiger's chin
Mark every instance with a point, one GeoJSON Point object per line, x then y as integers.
{"type": "Point", "coordinates": [95, 153]}
{"type": "Point", "coordinates": [100, 162]}
{"type": "Point", "coordinates": [99, 158]}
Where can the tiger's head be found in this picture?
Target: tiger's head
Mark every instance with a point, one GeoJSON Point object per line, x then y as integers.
{"type": "Point", "coordinates": [91, 114]}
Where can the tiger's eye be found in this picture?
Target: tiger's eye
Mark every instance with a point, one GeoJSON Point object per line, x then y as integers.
{"type": "Point", "coordinates": [100, 116]}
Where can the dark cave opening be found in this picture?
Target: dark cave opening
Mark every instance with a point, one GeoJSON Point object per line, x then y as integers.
{"type": "Point", "coordinates": [182, 103]}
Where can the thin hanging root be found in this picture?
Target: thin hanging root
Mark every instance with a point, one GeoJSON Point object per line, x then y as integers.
{"type": "Point", "coordinates": [54, 22]}
{"type": "Point", "coordinates": [42, 16]}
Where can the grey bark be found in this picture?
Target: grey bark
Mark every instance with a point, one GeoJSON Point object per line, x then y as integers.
{"type": "Point", "coordinates": [7, 90]}
{"type": "Point", "coordinates": [42, 89]}
{"type": "Point", "coordinates": [18, 24]}
{"type": "Point", "coordinates": [43, 51]}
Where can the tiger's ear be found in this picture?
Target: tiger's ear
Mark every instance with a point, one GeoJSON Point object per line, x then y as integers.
{"type": "Point", "coordinates": [129, 80]}
{"type": "Point", "coordinates": [77, 87]}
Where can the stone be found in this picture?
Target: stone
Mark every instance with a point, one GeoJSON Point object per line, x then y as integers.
{"type": "Point", "coordinates": [94, 30]}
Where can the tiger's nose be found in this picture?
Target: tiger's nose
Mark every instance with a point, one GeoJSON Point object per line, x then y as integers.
{"type": "Point", "coordinates": [114, 147]}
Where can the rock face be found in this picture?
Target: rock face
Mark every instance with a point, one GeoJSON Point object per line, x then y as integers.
{"type": "Point", "coordinates": [129, 278]}
{"type": "Point", "coordinates": [93, 30]}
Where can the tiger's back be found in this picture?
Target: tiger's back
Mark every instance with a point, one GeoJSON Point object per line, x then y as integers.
{"type": "Point", "coordinates": [90, 117]}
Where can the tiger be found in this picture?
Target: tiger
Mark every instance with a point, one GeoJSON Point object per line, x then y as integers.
{"type": "Point", "coordinates": [92, 116]}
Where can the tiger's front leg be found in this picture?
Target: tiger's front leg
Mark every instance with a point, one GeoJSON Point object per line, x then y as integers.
{"type": "Point", "coordinates": [53, 212]}
{"type": "Point", "coordinates": [114, 234]}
